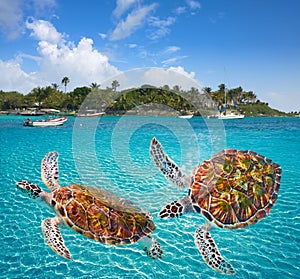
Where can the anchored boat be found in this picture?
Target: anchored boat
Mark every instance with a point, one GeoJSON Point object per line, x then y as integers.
{"type": "Point", "coordinates": [230, 114]}
{"type": "Point", "coordinates": [188, 116]}
{"type": "Point", "coordinates": [45, 123]}
{"type": "Point", "coordinates": [226, 113]}
{"type": "Point", "coordinates": [90, 113]}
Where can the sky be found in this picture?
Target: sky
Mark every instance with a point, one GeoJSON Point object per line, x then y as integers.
{"type": "Point", "coordinates": [254, 44]}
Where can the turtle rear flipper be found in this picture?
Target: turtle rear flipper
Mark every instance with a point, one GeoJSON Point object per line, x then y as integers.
{"type": "Point", "coordinates": [53, 237]}
{"type": "Point", "coordinates": [151, 246]}
{"type": "Point", "coordinates": [168, 167]}
{"type": "Point", "coordinates": [210, 252]}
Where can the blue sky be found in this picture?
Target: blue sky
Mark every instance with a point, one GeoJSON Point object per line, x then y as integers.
{"type": "Point", "coordinates": [250, 43]}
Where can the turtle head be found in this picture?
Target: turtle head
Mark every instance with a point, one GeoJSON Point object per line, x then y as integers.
{"type": "Point", "coordinates": [30, 189]}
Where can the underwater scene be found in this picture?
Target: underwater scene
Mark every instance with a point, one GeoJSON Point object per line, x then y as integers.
{"type": "Point", "coordinates": [113, 153]}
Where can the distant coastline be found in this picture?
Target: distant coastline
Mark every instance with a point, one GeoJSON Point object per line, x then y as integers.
{"type": "Point", "coordinates": [141, 113]}
{"type": "Point", "coordinates": [145, 100]}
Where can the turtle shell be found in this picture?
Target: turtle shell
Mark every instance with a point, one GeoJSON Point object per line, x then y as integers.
{"type": "Point", "coordinates": [101, 215]}
{"type": "Point", "coordinates": [235, 188]}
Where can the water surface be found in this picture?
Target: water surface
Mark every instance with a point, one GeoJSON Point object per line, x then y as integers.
{"type": "Point", "coordinates": [114, 154]}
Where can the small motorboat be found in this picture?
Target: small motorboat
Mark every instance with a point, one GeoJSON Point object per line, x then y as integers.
{"type": "Point", "coordinates": [188, 116]}
{"type": "Point", "coordinates": [45, 123]}
{"type": "Point", "coordinates": [90, 113]}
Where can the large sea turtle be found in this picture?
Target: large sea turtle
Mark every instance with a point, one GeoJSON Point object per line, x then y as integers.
{"type": "Point", "coordinates": [93, 212]}
{"type": "Point", "coordinates": [233, 189]}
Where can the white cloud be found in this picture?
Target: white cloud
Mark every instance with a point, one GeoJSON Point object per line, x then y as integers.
{"type": "Point", "coordinates": [133, 21]}
{"type": "Point", "coordinates": [132, 45]}
{"type": "Point", "coordinates": [172, 60]}
{"type": "Point", "coordinates": [12, 23]}
{"type": "Point", "coordinates": [171, 49]}
{"type": "Point", "coordinates": [123, 6]}
{"type": "Point", "coordinates": [156, 77]}
{"type": "Point", "coordinates": [42, 6]}
{"type": "Point", "coordinates": [191, 6]}
{"type": "Point", "coordinates": [171, 76]}
{"type": "Point", "coordinates": [180, 10]}
{"type": "Point", "coordinates": [13, 78]}
{"type": "Point", "coordinates": [161, 27]}
{"type": "Point", "coordinates": [194, 5]}
{"type": "Point", "coordinates": [44, 31]}
{"type": "Point", "coordinates": [102, 35]}
{"type": "Point", "coordinates": [82, 63]}
{"type": "Point", "coordinates": [181, 70]}
{"type": "Point", "coordinates": [10, 18]}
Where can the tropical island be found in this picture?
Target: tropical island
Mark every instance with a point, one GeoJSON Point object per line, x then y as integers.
{"type": "Point", "coordinates": [114, 102]}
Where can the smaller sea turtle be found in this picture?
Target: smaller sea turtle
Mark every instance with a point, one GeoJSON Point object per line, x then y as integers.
{"type": "Point", "coordinates": [233, 189]}
{"type": "Point", "coordinates": [91, 211]}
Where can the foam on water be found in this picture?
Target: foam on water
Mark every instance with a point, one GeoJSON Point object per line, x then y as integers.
{"type": "Point", "coordinates": [268, 249]}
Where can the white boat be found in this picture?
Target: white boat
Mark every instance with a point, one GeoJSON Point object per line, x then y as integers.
{"type": "Point", "coordinates": [45, 123]}
{"type": "Point", "coordinates": [90, 113]}
{"type": "Point", "coordinates": [186, 116]}
{"type": "Point", "coordinates": [227, 113]}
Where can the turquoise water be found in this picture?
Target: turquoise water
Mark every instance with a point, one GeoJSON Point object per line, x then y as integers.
{"type": "Point", "coordinates": [114, 154]}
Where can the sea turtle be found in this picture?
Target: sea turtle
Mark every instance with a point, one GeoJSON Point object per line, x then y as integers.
{"type": "Point", "coordinates": [91, 211]}
{"type": "Point", "coordinates": [233, 189]}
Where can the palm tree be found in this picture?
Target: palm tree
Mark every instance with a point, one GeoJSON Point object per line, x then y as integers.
{"type": "Point", "coordinates": [95, 85]}
{"type": "Point", "coordinates": [39, 95]}
{"type": "Point", "coordinates": [176, 88]}
{"type": "Point", "coordinates": [114, 85]}
{"type": "Point", "coordinates": [166, 87]}
{"type": "Point", "coordinates": [65, 81]}
{"type": "Point", "coordinates": [55, 86]}
{"type": "Point", "coordinates": [207, 90]}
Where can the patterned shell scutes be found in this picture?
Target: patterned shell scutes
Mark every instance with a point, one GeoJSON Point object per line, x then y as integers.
{"type": "Point", "coordinates": [235, 188]}
{"type": "Point", "coordinates": [101, 215]}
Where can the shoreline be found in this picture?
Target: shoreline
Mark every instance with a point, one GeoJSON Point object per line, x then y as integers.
{"type": "Point", "coordinates": [3, 114]}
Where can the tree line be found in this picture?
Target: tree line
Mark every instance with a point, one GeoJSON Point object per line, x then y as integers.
{"type": "Point", "coordinates": [50, 96]}
{"type": "Point", "coordinates": [118, 102]}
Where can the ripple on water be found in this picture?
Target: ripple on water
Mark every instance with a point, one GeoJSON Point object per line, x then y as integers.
{"type": "Point", "coordinates": [269, 249]}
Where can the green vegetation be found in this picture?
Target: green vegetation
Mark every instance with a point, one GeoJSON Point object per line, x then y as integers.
{"type": "Point", "coordinates": [149, 98]}
{"type": "Point", "coordinates": [262, 109]}
{"type": "Point", "coordinates": [115, 102]}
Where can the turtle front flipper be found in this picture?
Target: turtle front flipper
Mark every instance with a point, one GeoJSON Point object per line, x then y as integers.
{"type": "Point", "coordinates": [53, 237]}
{"type": "Point", "coordinates": [30, 189]}
{"type": "Point", "coordinates": [49, 170]}
{"type": "Point", "coordinates": [177, 208]}
{"type": "Point", "coordinates": [168, 167]}
{"type": "Point", "coordinates": [151, 246]}
{"type": "Point", "coordinates": [210, 252]}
